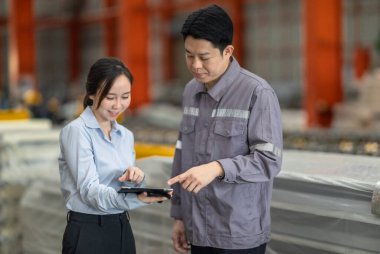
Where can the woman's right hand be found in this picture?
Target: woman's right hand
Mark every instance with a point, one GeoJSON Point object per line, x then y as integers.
{"type": "Point", "coordinates": [132, 174]}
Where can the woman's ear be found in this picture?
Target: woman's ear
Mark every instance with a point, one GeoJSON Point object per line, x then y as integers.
{"type": "Point", "coordinates": [92, 98]}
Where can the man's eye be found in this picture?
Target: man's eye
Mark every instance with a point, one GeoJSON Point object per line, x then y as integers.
{"type": "Point", "coordinates": [125, 97]}
{"type": "Point", "coordinates": [109, 98]}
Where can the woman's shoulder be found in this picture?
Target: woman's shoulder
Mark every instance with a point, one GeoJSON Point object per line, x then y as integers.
{"type": "Point", "coordinates": [76, 126]}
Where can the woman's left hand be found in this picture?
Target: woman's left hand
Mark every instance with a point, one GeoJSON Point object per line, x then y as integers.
{"type": "Point", "coordinates": [147, 199]}
{"type": "Point", "coordinates": [132, 174]}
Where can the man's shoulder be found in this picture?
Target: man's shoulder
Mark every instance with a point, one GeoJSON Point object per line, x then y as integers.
{"type": "Point", "coordinates": [191, 86]}
{"type": "Point", "coordinates": [253, 80]}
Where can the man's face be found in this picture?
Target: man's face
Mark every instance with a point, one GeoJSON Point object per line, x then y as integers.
{"type": "Point", "coordinates": [204, 61]}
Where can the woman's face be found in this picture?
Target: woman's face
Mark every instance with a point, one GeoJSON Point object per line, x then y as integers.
{"type": "Point", "coordinates": [115, 102]}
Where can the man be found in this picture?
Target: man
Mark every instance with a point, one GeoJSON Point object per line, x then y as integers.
{"type": "Point", "coordinates": [229, 147]}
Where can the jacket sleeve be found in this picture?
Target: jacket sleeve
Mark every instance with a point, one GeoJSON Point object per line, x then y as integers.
{"type": "Point", "coordinates": [175, 200]}
{"type": "Point", "coordinates": [264, 134]}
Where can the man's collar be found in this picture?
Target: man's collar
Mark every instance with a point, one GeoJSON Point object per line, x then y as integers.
{"type": "Point", "coordinates": [223, 84]}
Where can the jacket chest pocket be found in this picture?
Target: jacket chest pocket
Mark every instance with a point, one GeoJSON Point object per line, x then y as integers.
{"type": "Point", "coordinates": [230, 138]}
{"type": "Point", "coordinates": [188, 126]}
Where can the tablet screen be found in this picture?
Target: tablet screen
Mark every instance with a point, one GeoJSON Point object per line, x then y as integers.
{"type": "Point", "coordinates": [152, 192]}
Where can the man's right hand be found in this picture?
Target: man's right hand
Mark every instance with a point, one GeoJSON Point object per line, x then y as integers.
{"type": "Point", "coordinates": [179, 238]}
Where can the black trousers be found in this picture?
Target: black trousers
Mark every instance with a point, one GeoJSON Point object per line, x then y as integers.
{"type": "Point", "coordinates": [209, 250]}
{"type": "Point", "coordinates": [98, 234]}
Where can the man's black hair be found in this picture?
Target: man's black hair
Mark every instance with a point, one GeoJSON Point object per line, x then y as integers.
{"type": "Point", "coordinates": [212, 24]}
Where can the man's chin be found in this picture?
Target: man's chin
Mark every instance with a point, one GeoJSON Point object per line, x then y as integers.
{"type": "Point", "coordinates": [201, 80]}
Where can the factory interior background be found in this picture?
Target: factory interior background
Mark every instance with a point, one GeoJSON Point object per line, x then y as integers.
{"type": "Point", "coordinates": [322, 57]}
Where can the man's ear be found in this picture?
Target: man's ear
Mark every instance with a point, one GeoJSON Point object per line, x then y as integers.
{"type": "Point", "coordinates": [229, 50]}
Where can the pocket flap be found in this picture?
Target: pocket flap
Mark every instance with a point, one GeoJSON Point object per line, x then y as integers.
{"type": "Point", "coordinates": [187, 125]}
{"type": "Point", "coordinates": [229, 128]}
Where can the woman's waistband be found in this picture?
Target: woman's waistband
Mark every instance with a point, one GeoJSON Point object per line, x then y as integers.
{"type": "Point", "coordinates": [94, 218]}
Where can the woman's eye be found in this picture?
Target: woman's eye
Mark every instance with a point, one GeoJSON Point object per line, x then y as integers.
{"type": "Point", "coordinates": [125, 97]}
{"type": "Point", "coordinates": [109, 98]}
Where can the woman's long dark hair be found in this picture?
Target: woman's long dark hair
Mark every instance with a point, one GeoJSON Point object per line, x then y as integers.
{"type": "Point", "coordinates": [101, 77]}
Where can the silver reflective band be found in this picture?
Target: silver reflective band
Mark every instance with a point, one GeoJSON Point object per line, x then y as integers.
{"type": "Point", "coordinates": [224, 112]}
{"type": "Point", "coordinates": [178, 144]}
{"type": "Point", "coordinates": [267, 147]}
{"type": "Point", "coordinates": [191, 111]}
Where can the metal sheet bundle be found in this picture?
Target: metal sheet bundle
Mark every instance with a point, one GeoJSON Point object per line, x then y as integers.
{"type": "Point", "coordinates": [28, 151]}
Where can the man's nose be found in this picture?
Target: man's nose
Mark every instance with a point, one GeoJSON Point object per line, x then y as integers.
{"type": "Point", "coordinates": [196, 64]}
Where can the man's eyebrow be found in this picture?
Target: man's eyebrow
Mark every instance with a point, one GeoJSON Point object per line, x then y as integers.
{"type": "Point", "coordinates": [201, 54]}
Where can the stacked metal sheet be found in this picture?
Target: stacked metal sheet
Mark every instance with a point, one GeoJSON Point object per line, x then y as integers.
{"type": "Point", "coordinates": [322, 204]}
{"type": "Point", "coordinates": [43, 214]}
{"type": "Point", "coordinates": [152, 224]}
{"type": "Point", "coordinates": [43, 217]}
{"type": "Point", "coordinates": [28, 150]}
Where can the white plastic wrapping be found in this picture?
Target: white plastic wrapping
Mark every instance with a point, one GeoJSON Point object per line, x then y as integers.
{"type": "Point", "coordinates": [43, 217]}
{"type": "Point", "coordinates": [28, 151]}
{"type": "Point", "coordinates": [322, 204]}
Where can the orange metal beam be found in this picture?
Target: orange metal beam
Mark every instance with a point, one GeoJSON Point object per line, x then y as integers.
{"type": "Point", "coordinates": [133, 47]}
{"type": "Point", "coordinates": [323, 46]}
{"type": "Point", "coordinates": [3, 21]}
{"type": "Point", "coordinates": [110, 35]}
{"type": "Point", "coordinates": [21, 59]}
{"type": "Point", "coordinates": [188, 6]}
{"type": "Point", "coordinates": [86, 18]}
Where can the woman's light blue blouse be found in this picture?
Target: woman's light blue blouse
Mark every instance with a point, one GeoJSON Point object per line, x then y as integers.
{"type": "Point", "coordinates": [90, 165]}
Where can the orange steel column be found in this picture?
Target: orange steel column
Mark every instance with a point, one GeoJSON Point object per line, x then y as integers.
{"type": "Point", "coordinates": [110, 25]}
{"type": "Point", "coordinates": [133, 47]}
{"type": "Point", "coordinates": [21, 60]}
{"type": "Point", "coordinates": [323, 46]}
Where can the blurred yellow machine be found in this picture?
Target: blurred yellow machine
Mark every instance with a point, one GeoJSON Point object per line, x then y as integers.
{"type": "Point", "coordinates": [14, 114]}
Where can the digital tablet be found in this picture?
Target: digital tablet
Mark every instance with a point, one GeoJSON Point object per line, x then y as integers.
{"type": "Point", "coordinates": [152, 192]}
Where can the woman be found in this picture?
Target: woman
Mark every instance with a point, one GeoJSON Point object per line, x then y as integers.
{"type": "Point", "coordinates": [97, 158]}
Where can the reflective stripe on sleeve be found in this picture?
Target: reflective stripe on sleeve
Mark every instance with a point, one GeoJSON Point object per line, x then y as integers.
{"type": "Point", "coordinates": [267, 147]}
{"type": "Point", "coordinates": [178, 144]}
{"type": "Point", "coordinates": [191, 111]}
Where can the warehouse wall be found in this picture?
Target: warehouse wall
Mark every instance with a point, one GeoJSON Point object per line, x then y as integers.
{"type": "Point", "coordinates": [273, 46]}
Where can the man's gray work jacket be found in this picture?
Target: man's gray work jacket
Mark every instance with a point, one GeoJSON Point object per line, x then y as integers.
{"type": "Point", "coordinates": [238, 124]}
